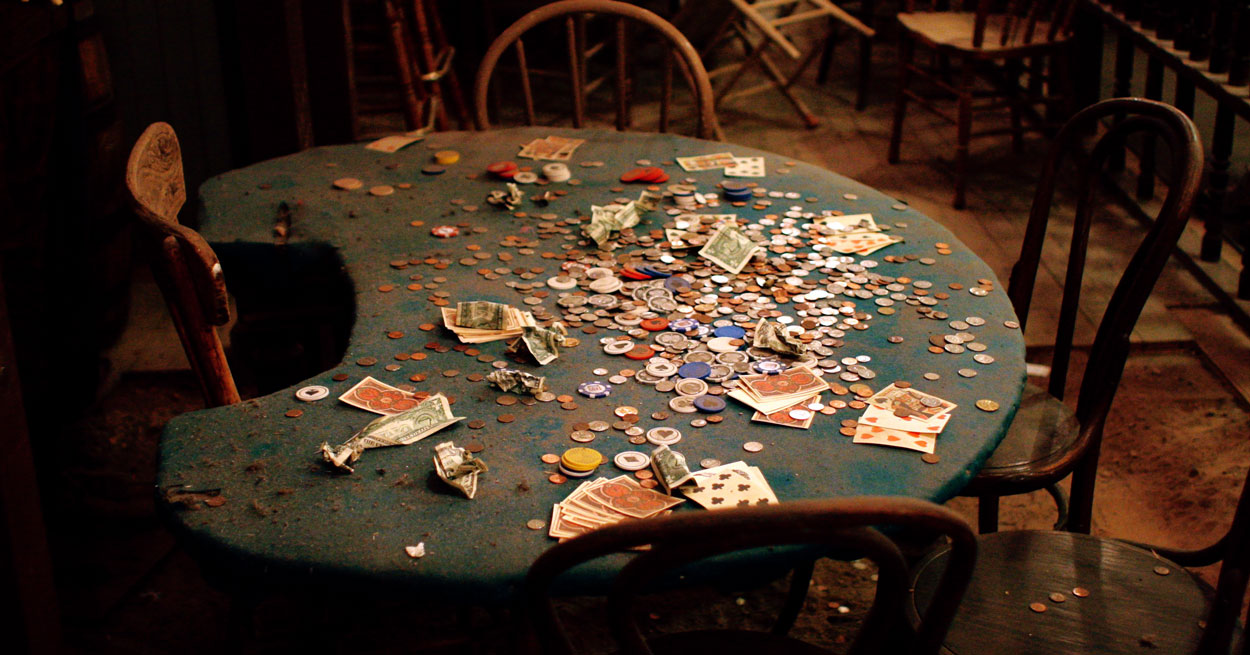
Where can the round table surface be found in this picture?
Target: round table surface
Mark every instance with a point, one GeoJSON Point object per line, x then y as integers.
{"type": "Point", "coordinates": [284, 510]}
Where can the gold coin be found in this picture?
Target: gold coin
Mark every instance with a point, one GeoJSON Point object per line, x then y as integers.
{"type": "Point", "coordinates": [987, 405]}
{"type": "Point", "coordinates": [382, 190]}
{"type": "Point", "coordinates": [348, 183]}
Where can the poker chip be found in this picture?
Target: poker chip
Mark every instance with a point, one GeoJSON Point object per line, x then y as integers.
{"type": "Point", "coordinates": [445, 231]}
{"type": "Point", "coordinates": [697, 370]}
{"type": "Point", "coordinates": [710, 404]}
{"type": "Point", "coordinates": [594, 389]}
{"type": "Point", "coordinates": [662, 368]}
{"type": "Point", "coordinates": [561, 282]}
{"type": "Point", "coordinates": [663, 436]}
{"type": "Point", "coordinates": [446, 157]}
{"type": "Point", "coordinates": [504, 169]}
{"type": "Point", "coordinates": [575, 474]}
{"type": "Point", "coordinates": [556, 172]}
{"type": "Point", "coordinates": [683, 325]}
{"type": "Point", "coordinates": [690, 387]}
{"type": "Point", "coordinates": [721, 345]}
{"type": "Point", "coordinates": [525, 177]}
{"type": "Point", "coordinates": [682, 404]}
{"type": "Point", "coordinates": [620, 347]}
{"type": "Point", "coordinates": [768, 367]}
{"type": "Point", "coordinates": [730, 331]}
{"type": "Point", "coordinates": [312, 393]}
{"type": "Point", "coordinates": [654, 324]}
{"type": "Point", "coordinates": [581, 459]}
{"type": "Point", "coordinates": [640, 352]}
{"type": "Point", "coordinates": [632, 460]}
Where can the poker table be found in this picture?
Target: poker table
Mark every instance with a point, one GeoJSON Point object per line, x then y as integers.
{"type": "Point", "coordinates": [280, 512]}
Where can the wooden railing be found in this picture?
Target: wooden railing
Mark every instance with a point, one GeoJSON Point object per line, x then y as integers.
{"type": "Point", "coordinates": [1205, 44]}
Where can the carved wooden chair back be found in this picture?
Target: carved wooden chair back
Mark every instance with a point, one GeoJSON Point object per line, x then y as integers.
{"type": "Point", "coordinates": [1111, 342]}
{"type": "Point", "coordinates": [677, 540]}
{"type": "Point", "coordinates": [574, 13]}
{"type": "Point", "coordinates": [1009, 23]}
{"type": "Point", "coordinates": [185, 267]}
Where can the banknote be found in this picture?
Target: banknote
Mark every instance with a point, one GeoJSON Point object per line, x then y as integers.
{"type": "Point", "coordinates": [481, 314]}
{"type": "Point", "coordinates": [670, 467]}
{"type": "Point", "coordinates": [729, 248]}
{"type": "Point", "coordinates": [648, 201]}
{"type": "Point", "coordinates": [430, 416]}
{"type": "Point", "coordinates": [509, 379]}
{"type": "Point", "coordinates": [458, 468]}
{"type": "Point", "coordinates": [542, 344]}
{"type": "Point", "coordinates": [774, 337]}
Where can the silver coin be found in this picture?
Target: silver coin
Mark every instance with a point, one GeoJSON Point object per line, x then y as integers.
{"type": "Point", "coordinates": [582, 436]}
{"type": "Point", "coordinates": [709, 463]}
{"type": "Point", "coordinates": [967, 372]}
{"type": "Point", "coordinates": [982, 358]}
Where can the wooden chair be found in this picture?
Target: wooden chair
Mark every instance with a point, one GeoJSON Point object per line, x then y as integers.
{"type": "Point", "coordinates": [1047, 441]}
{"type": "Point", "coordinates": [423, 60]}
{"type": "Point", "coordinates": [983, 43]}
{"type": "Point", "coordinates": [185, 267]}
{"type": "Point", "coordinates": [1099, 595]}
{"type": "Point", "coordinates": [688, 537]}
{"type": "Point", "coordinates": [572, 11]}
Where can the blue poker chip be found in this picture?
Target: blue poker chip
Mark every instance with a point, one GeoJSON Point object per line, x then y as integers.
{"type": "Point", "coordinates": [595, 389]}
{"type": "Point", "coordinates": [647, 270]}
{"type": "Point", "coordinates": [683, 325]}
{"type": "Point", "coordinates": [676, 284]}
{"type": "Point", "coordinates": [768, 367]}
{"type": "Point", "coordinates": [734, 186]}
{"type": "Point", "coordinates": [697, 370]}
{"type": "Point", "coordinates": [731, 331]}
{"type": "Point", "coordinates": [709, 404]}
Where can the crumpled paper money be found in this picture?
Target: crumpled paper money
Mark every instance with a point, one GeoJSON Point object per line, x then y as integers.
{"type": "Point", "coordinates": [510, 199]}
{"type": "Point", "coordinates": [541, 344]}
{"type": "Point", "coordinates": [773, 336]}
{"type": "Point", "coordinates": [457, 467]}
{"type": "Point", "coordinates": [508, 379]}
{"type": "Point", "coordinates": [432, 415]}
{"type": "Point", "coordinates": [607, 220]}
{"type": "Point", "coordinates": [670, 468]}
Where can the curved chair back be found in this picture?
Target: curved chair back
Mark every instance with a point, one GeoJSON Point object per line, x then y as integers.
{"type": "Point", "coordinates": [574, 13]}
{"type": "Point", "coordinates": [686, 537]}
{"type": "Point", "coordinates": [185, 267]}
{"type": "Point", "coordinates": [1111, 343]}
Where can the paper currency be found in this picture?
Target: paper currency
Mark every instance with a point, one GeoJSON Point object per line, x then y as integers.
{"type": "Point", "coordinates": [457, 467]}
{"type": "Point", "coordinates": [508, 379]}
{"type": "Point", "coordinates": [430, 416]}
{"type": "Point", "coordinates": [648, 201]}
{"type": "Point", "coordinates": [542, 344]}
{"type": "Point", "coordinates": [510, 199]}
{"type": "Point", "coordinates": [514, 320]}
{"type": "Point", "coordinates": [481, 314]}
{"type": "Point", "coordinates": [670, 468]}
{"type": "Point", "coordinates": [729, 249]}
{"type": "Point", "coordinates": [774, 337]}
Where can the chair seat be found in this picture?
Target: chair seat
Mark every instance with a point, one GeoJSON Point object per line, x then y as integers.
{"type": "Point", "coordinates": [1130, 608]}
{"type": "Point", "coordinates": [730, 641]}
{"type": "Point", "coordinates": [954, 29]}
{"type": "Point", "coordinates": [1043, 428]}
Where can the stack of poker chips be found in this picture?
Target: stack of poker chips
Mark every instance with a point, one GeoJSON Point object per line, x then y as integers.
{"type": "Point", "coordinates": [580, 462]}
{"type": "Point", "coordinates": [735, 191]}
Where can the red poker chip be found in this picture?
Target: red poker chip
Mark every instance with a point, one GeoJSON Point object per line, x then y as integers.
{"type": "Point", "coordinates": [445, 231]}
{"type": "Point", "coordinates": [653, 324]}
{"type": "Point", "coordinates": [503, 168]}
{"type": "Point", "coordinates": [654, 174]}
{"type": "Point", "coordinates": [640, 353]}
{"type": "Point", "coordinates": [634, 275]}
{"type": "Point", "coordinates": [634, 174]}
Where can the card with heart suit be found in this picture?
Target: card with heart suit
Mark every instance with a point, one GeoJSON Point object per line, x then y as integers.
{"type": "Point", "coordinates": [746, 167]}
{"type": "Point", "coordinates": [379, 397]}
{"type": "Point", "coordinates": [879, 436]}
{"type": "Point", "coordinates": [875, 416]}
{"type": "Point", "coordinates": [794, 416]}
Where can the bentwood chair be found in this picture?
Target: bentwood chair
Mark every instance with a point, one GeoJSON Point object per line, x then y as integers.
{"type": "Point", "coordinates": [685, 538]}
{"type": "Point", "coordinates": [185, 267]}
{"type": "Point", "coordinates": [574, 12]}
{"type": "Point", "coordinates": [1047, 441]}
{"type": "Point", "coordinates": [1099, 595]}
{"type": "Point", "coordinates": [992, 42]}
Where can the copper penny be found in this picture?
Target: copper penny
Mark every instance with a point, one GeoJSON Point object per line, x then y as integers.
{"type": "Point", "coordinates": [475, 447]}
{"type": "Point", "coordinates": [1057, 597]}
{"type": "Point", "coordinates": [648, 484]}
{"type": "Point", "coordinates": [551, 458]}
{"type": "Point", "coordinates": [644, 474]}
{"type": "Point", "coordinates": [477, 424]}
{"type": "Point", "coordinates": [556, 478]}
{"type": "Point", "coordinates": [506, 401]}
{"type": "Point", "coordinates": [930, 458]}
{"type": "Point", "coordinates": [294, 413]}
{"type": "Point", "coordinates": [1037, 607]}
{"type": "Point", "coordinates": [366, 361]}
{"type": "Point", "coordinates": [339, 377]}
{"type": "Point", "coordinates": [569, 405]}
{"type": "Point", "coordinates": [506, 418]}
{"type": "Point", "coordinates": [1080, 592]}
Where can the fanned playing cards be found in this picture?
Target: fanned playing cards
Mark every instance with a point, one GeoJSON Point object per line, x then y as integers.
{"type": "Point", "coordinates": [600, 502]}
{"type": "Point", "coordinates": [772, 393]}
{"type": "Point", "coordinates": [729, 485]}
{"type": "Point", "coordinates": [903, 417]}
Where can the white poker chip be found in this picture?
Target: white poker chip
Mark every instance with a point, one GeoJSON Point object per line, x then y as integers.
{"type": "Point", "coordinates": [661, 368]}
{"type": "Point", "coordinates": [663, 436]}
{"type": "Point", "coordinates": [525, 177]}
{"type": "Point", "coordinates": [605, 285]}
{"type": "Point", "coordinates": [690, 387]}
{"type": "Point", "coordinates": [632, 460]}
{"type": "Point", "coordinates": [618, 347]}
{"type": "Point", "coordinates": [556, 172]}
{"type": "Point", "coordinates": [312, 393]}
{"type": "Point", "coordinates": [721, 344]}
{"type": "Point", "coordinates": [561, 282]}
{"type": "Point", "coordinates": [682, 404]}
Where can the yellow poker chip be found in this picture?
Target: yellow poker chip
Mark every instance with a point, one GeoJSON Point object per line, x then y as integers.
{"type": "Point", "coordinates": [581, 459]}
{"type": "Point", "coordinates": [446, 157]}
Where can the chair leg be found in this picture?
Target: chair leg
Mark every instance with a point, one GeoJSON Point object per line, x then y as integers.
{"type": "Point", "coordinates": [987, 514]}
{"type": "Point", "coordinates": [1061, 505]}
{"type": "Point", "coordinates": [1017, 109]}
{"type": "Point", "coordinates": [1081, 505]}
{"type": "Point", "coordinates": [965, 133]}
{"type": "Point", "coordinates": [906, 55]}
{"type": "Point", "coordinates": [800, 580]}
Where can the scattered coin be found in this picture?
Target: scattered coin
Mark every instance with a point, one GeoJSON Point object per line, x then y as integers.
{"type": "Point", "coordinates": [753, 446]}
{"type": "Point", "coordinates": [294, 413]}
{"type": "Point", "coordinates": [930, 458]}
{"type": "Point", "coordinates": [506, 418]}
{"type": "Point", "coordinates": [535, 524]}
{"type": "Point", "coordinates": [1037, 607]}
{"type": "Point", "coordinates": [1057, 597]}
{"type": "Point", "coordinates": [987, 405]}
{"type": "Point", "coordinates": [1080, 592]}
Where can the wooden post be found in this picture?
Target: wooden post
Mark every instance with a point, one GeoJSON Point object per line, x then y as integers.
{"type": "Point", "coordinates": [1221, 151]}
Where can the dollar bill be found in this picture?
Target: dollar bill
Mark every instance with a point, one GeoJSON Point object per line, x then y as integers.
{"type": "Point", "coordinates": [457, 467]}
{"type": "Point", "coordinates": [509, 379]}
{"type": "Point", "coordinates": [599, 232]}
{"type": "Point", "coordinates": [481, 314]}
{"type": "Point", "coordinates": [648, 201]}
{"type": "Point", "coordinates": [774, 337]}
{"type": "Point", "coordinates": [729, 248]}
{"type": "Point", "coordinates": [430, 416]}
{"type": "Point", "coordinates": [542, 344]}
{"type": "Point", "coordinates": [670, 468]}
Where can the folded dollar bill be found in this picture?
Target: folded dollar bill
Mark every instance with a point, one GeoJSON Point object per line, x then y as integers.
{"type": "Point", "coordinates": [774, 337]}
{"type": "Point", "coordinates": [430, 416]}
{"type": "Point", "coordinates": [509, 379]}
{"type": "Point", "coordinates": [457, 467]}
{"type": "Point", "coordinates": [670, 468]}
{"type": "Point", "coordinates": [541, 344]}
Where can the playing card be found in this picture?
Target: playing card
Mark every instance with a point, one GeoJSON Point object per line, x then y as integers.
{"type": "Point", "coordinates": [874, 415]}
{"type": "Point", "coordinates": [910, 402]}
{"type": "Point", "coordinates": [729, 485]}
{"type": "Point", "coordinates": [395, 142]}
{"type": "Point", "coordinates": [794, 416]}
{"type": "Point", "coordinates": [626, 496]}
{"type": "Point", "coordinates": [745, 167]}
{"type": "Point", "coordinates": [849, 222]}
{"type": "Point", "coordinates": [378, 397]}
{"type": "Point", "coordinates": [798, 380]}
{"type": "Point", "coordinates": [706, 162]}
{"type": "Point", "coordinates": [871, 434]}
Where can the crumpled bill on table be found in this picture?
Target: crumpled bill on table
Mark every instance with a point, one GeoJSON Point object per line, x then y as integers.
{"type": "Point", "coordinates": [541, 344]}
{"type": "Point", "coordinates": [510, 199]}
{"type": "Point", "coordinates": [458, 468]}
{"type": "Point", "coordinates": [510, 379]}
{"type": "Point", "coordinates": [430, 416]}
{"type": "Point", "coordinates": [774, 337]}
{"type": "Point", "coordinates": [670, 468]}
